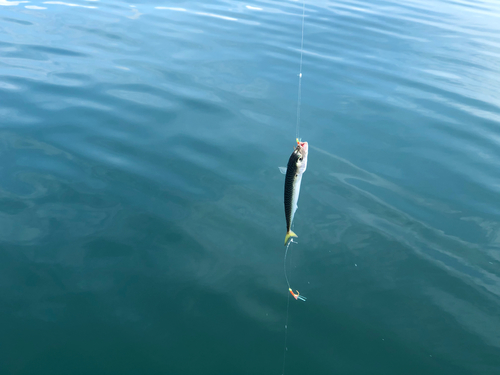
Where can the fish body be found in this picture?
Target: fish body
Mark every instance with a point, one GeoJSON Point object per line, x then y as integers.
{"type": "Point", "coordinates": [296, 167]}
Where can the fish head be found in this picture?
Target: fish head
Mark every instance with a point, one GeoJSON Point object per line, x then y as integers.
{"type": "Point", "coordinates": [301, 152]}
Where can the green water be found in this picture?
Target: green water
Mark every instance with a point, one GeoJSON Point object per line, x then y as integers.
{"type": "Point", "coordinates": [141, 205]}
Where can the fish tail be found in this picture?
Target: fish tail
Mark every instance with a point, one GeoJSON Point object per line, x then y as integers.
{"type": "Point", "coordinates": [288, 235]}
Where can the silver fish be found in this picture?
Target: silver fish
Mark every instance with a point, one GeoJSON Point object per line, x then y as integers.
{"type": "Point", "coordinates": [297, 165]}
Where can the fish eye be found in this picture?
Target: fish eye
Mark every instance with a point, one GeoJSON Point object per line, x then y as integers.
{"type": "Point", "coordinates": [300, 159]}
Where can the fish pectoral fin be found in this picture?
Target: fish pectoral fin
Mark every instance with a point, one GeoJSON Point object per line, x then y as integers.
{"type": "Point", "coordinates": [289, 234]}
{"type": "Point", "coordinates": [282, 170]}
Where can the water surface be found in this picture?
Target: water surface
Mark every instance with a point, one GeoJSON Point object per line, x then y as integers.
{"type": "Point", "coordinates": [141, 205]}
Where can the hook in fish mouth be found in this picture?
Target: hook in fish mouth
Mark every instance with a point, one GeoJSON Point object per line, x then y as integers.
{"type": "Point", "coordinates": [303, 145]}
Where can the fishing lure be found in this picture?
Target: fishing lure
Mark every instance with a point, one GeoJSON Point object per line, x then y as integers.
{"type": "Point", "coordinates": [297, 295]}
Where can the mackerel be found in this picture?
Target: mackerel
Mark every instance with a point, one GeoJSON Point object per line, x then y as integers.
{"type": "Point", "coordinates": [297, 165]}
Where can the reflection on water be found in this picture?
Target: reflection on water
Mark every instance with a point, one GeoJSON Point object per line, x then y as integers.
{"type": "Point", "coordinates": [69, 4]}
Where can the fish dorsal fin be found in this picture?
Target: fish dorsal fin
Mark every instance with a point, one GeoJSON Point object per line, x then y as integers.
{"type": "Point", "coordinates": [282, 170]}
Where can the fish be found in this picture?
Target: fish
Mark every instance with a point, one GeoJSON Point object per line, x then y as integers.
{"type": "Point", "coordinates": [296, 167]}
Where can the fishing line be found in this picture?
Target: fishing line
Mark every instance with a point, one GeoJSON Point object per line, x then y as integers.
{"type": "Point", "coordinates": [287, 306]}
{"type": "Point", "coordinates": [299, 95]}
{"type": "Point", "coordinates": [284, 263]}
{"type": "Point", "coordinates": [299, 102]}
{"type": "Point", "coordinates": [286, 328]}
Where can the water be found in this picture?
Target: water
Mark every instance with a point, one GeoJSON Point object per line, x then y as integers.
{"type": "Point", "coordinates": [141, 206]}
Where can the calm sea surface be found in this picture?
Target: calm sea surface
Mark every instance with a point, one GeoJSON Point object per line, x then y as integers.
{"type": "Point", "coordinates": [141, 205]}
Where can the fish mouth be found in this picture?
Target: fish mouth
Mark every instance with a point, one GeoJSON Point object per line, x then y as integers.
{"type": "Point", "coordinates": [304, 145]}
